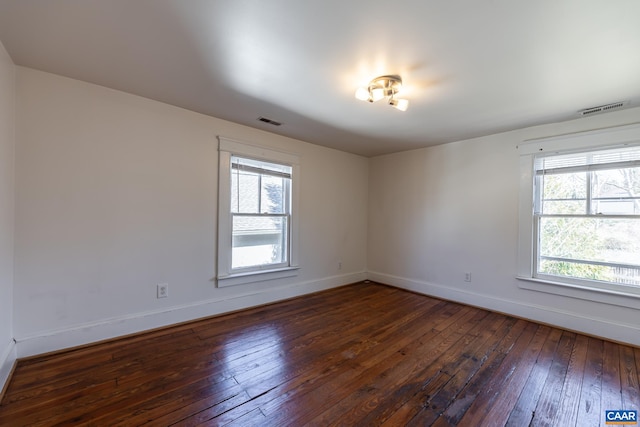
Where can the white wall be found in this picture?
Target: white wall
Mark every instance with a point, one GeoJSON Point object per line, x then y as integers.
{"type": "Point", "coordinates": [438, 212]}
{"type": "Point", "coordinates": [7, 126]}
{"type": "Point", "coordinates": [116, 193]}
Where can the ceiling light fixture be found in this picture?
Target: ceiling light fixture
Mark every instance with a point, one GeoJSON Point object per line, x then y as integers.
{"type": "Point", "coordinates": [383, 87]}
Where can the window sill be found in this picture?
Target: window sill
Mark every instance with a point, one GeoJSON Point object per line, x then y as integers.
{"type": "Point", "coordinates": [607, 296]}
{"type": "Point", "coordinates": [256, 276]}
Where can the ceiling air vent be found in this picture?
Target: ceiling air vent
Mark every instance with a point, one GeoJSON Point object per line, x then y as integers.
{"type": "Point", "coordinates": [269, 121]}
{"type": "Point", "coordinates": [602, 108]}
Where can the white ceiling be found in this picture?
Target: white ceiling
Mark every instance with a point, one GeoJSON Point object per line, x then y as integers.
{"type": "Point", "coordinates": [470, 67]}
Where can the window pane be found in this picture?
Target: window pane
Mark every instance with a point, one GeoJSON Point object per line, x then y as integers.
{"type": "Point", "coordinates": [575, 238]}
{"type": "Point", "coordinates": [564, 193]}
{"type": "Point", "coordinates": [608, 240]}
{"type": "Point", "coordinates": [258, 186]}
{"type": "Point", "coordinates": [616, 192]}
{"type": "Point", "coordinates": [245, 192]}
{"type": "Point", "coordinates": [273, 194]}
{"type": "Point", "coordinates": [258, 241]}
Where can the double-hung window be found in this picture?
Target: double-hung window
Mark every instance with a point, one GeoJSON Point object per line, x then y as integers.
{"type": "Point", "coordinates": [585, 213]}
{"type": "Point", "coordinates": [261, 214]}
{"type": "Point", "coordinates": [587, 216]}
{"type": "Point", "coordinates": [257, 215]}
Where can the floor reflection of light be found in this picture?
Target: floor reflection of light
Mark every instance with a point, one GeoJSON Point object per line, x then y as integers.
{"type": "Point", "coordinates": [253, 353]}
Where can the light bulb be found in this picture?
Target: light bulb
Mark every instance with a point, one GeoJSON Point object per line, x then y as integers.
{"type": "Point", "coordinates": [362, 94]}
{"type": "Point", "coordinates": [400, 104]}
{"type": "Point", "coordinates": [377, 94]}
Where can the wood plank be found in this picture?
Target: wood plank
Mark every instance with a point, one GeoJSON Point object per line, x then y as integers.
{"type": "Point", "coordinates": [514, 373]}
{"type": "Point", "coordinates": [549, 400]}
{"type": "Point", "coordinates": [524, 409]}
{"type": "Point", "coordinates": [611, 397]}
{"type": "Point", "coordinates": [519, 339]}
{"type": "Point", "coordinates": [572, 387]}
{"type": "Point", "coordinates": [437, 400]}
{"type": "Point", "coordinates": [359, 406]}
{"type": "Point", "coordinates": [177, 405]}
{"type": "Point", "coordinates": [345, 380]}
{"type": "Point", "coordinates": [629, 379]}
{"type": "Point", "coordinates": [457, 409]}
{"type": "Point", "coordinates": [590, 412]}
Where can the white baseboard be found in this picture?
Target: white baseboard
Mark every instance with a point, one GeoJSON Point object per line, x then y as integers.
{"type": "Point", "coordinates": [591, 325]}
{"type": "Point", "coordinates": [8, 357]}
{"type": "Point", "coordinates": [138, 322]}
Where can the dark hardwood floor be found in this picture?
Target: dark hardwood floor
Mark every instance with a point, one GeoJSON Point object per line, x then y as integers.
{"type": "Point", "coordinates": [364, 354]}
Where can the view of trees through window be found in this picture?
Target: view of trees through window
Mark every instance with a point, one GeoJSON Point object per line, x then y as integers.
{"type": "Point", "coordinates": [588, 223]}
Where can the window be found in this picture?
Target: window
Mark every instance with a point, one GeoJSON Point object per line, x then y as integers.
{"type": "Point", "coordinates": [260, 212]}
{"type": "Point", "coordinates": [580, 213]}
{"type": "Point", "coordinates": [257, 222]}
{"type": "Point", "coordinates": [587, 216]}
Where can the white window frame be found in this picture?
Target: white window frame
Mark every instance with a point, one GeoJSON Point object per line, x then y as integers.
{"type": "Point", "coordinates": [619, 136]}
{"type": "Point", "coordinates": [226, 275]}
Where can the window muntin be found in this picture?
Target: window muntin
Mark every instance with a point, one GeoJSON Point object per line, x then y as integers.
{"type": "Point", "coordinates": [587, 217]}
{"type": "Point", "coordinates": [260, 214]}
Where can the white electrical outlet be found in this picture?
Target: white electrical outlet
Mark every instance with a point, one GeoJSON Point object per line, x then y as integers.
{"type": "Point", "coordinates": [467, 277]}
{"type": "Point", "coordinates": [163, 290]}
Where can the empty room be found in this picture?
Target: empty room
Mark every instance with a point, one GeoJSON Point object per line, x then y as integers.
{"type": "Point", "coordinates": [280, 212]}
